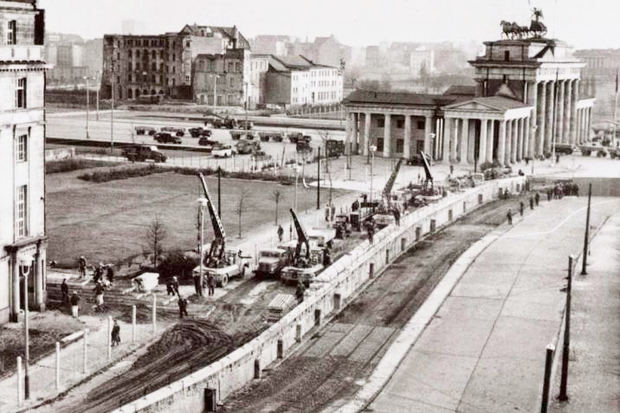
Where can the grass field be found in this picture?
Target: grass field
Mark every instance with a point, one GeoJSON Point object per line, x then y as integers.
{"type": "Point", "coordinates": [107, 222]}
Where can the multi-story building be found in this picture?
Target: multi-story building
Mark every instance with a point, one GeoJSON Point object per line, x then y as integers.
{"type": "Point", "coordinates": [22, 170]}
{"type": "Point", "coordinates": [224, 78]}
{"type": "Point", "coordinates": [529, 96]}
{"type": "Point", "coordinates": [270, 44]}
{"type": "Point", "coordinates": [297, 81]}
{"type": "Point", "coordinates": [422, 60]}
{"type": "Point", "coordinates": [162, 65]}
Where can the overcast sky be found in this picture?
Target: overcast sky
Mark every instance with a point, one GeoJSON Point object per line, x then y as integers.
{"type": "Point", "coordinates": [584, 24]}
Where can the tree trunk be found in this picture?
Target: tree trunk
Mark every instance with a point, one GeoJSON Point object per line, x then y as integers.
{"type": "Point", "coordinates": [277, 202]}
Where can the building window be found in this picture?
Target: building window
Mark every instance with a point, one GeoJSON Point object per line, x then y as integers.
{"type": "Point", "coordinates": [237, 67]}
{"type": "Point", "coordinates": [22, 148]}
{"type": "Point", "coordinates": [505, 78]}
{"type": "Point", "coordinates": [381, 122]}
{"type": "Point", "coordinates": [506, 55]}
{"type": "Point", "coordinates": [400, 123]}
{"type": "Point", "coordinates": [20, 93]}
{"type": "Point", "coordinates": [420, 124]}
{"type": "Point", "coordinates": [400, 145]}
{"type": "Point", "coordinates": [11, 32]}
{"type": "Point", "coordinates": [22, 211]}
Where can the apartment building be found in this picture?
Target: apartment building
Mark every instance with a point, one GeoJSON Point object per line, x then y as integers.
{"type": "Point", "coordinates": [162, 65]}
{"type": "Point", "coordinates": [22, 169]}
{"type": "Point", "coordinates": [298, 81]}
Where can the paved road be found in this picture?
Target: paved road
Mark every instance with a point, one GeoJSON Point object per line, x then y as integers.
{"type": "Point", "coordinates": [484, 350]}
{"type": "Point", "coordinates": [594, 368]}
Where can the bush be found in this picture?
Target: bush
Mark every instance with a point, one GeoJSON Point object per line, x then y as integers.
{"type": "Point", "coordinates": [72, 164]}
{"type": "Point", "coordinates": [117, 174]}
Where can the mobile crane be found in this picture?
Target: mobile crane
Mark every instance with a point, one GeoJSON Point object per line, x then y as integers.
{"type": "Point", "coordinates": [305, 266]}
{"type": "Point", "coordinates": [384, 215]}
{"type": "Point", "coordinates": [220, 262]}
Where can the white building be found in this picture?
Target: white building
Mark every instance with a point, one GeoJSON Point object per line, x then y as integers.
{"type": "Point", "coordinates": [22, 169]}
{"type": "Point", "coordinates": [297, 81]}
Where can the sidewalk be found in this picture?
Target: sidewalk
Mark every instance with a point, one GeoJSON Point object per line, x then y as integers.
{"type": "Point", "coordinates": [43, 373]}
{"type": "Point", "coordinates": [594, 366]}
{"type": "Point", "coordinates": [484, 349]}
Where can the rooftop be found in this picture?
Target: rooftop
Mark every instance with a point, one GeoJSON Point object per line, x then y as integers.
{"type": "Point", "coordinates": [398, 98]}
{"type": "Point", "coordinates": [297, 62]}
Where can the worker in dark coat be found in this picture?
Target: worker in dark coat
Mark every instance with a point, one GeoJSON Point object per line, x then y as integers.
{"type": "Point", "coordinates": [509, 216]}
{"type": "Point", "coordinates": [537, 198]}
{"type": "Point", "coordinates": [64, 290]}
{"type": "Point", "coordinates": [280, 233]}
{"type": "Point", "coordinates": [110, 274]}
{"type": "Point", "coordinates": [531, 202]}
{"type": "Point", "coordinates": [211, 284]}
{"type": "Point", "coordinates": [521, 208]}
{"type": "Point", "coordinates": [116, 334]}
{"type": "Point", "coordinates": [182, 307]}
{"type": "Point", "coordinates": [299, 292]}
{"type": "Point", "coordinates": [82, 264]}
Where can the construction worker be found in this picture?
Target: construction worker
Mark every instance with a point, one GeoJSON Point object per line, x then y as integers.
{"type": "Point", "coordinates": [197, 285]}
{"type": "Point", "coordinates": [64, 289]}
{"type": "Point", "coordinates": [116, 334]}
{"type": "Point", "coordinates": [299, 292]}
{"type": "Point", "coordinates": [99, 293]}
{"type": "Point", "coordinates": [75, 302]}
{"type": "Point", "coordinates": [509, 216]}
{"type": "Point", "coordinates": [521, 207]}
{"type": "Point", "coordinates": [82, 265]}
{"type": "Point", "coordinates": [537, 198]}
{"type": "Point", "coordinates": [280, 232]}
{"type": "Point", "coordinates": [211, 284]}
{"type": "Point", "coordinates": [110, 274]}
{"type": "Point", "coordinates": [182, 307]}
{"type": "Point", "coordinates": [332, 212]}
{"type": "Point", "coordinates": [327, 212]}
{"type": "Point", "coordinates": [532, 202]}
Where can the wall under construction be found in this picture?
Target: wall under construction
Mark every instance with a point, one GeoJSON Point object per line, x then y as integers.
{"type": "Point", "coordinates": [336, 286]}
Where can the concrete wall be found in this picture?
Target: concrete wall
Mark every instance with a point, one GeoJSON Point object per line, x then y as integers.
{"type": "Point", "coordinates": [342, 278]}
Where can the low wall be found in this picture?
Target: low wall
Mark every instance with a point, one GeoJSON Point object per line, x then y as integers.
{"type": "Point", "coordinates": [341, 281]}
{"type": "Point", "coordinates": [59, 154]}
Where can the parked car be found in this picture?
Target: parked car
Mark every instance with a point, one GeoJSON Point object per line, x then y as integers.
{"type": "Point", "coordinates": [205, 141]}
{"type": "Point", "coordinates": [199, 131]}
{"type": "Point", "coordinates": [565, 148]}
{"type": "Point", "coordinates": [303, 147]}
{"type": "Point", "coordinates": [293, 137]}
{"type": "Point", "coordinates": [166, 137]}
{"type": "Point", "coordinates": [335, 148]}
{"type": "Point", "coordinates": [247, 147]}
{"type": "Point", "coordinates": [217, 122]}
{"type": "Point", "coordinates": [222, 151]}
{"type": "Point", "coordinates": [236, 135]}
{"type": "Point", "coordinates": [142, 153]}
{"type": "Point", "coordinates": [145, 130]}
{"type": "Point", "coordinates": [174, 130]}
{"type": "Point", "coordinates": [246, 125]}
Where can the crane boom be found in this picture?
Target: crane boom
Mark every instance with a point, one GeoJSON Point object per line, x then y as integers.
{"type": "Point", "coordinates": [387, 190]}
{"type": "Point", "coordinates": [302, 236]}
{"type": "Point", "coordinates": [218, 227]}
{"type": "Point", "coordinates": [427, 168]}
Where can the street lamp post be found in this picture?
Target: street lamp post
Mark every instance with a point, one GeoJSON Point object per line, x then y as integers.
{"type": "Point", "coordinates": [87, 104]}
{"type": "Point", "coordinates": [296, 176]}
{"type": "Point", "coordinates": [372, 148]}
{"type": "Point", "coordinates": [98, 87]}
{"type": "Point", "coordinates": [203, 204]}
{"type": "Point", "coordinates": [24, 266]}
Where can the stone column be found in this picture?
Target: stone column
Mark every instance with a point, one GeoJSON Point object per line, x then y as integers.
{"type": "Point", "coordinates": [463, 140]}
{"type": "Point", "coordinates": [573, 112]}
{"type": "Point", "coordinates": [568, 100]}
{"type": "Point", "coordinates": [387, 136]}
{"type": "Point", "coordinates": [471, 141]}
{"type": "Point", "coordinates": [490, 140]}
{"type": "Point", "coordinates": [559, 124]}
{"type": "Point", "coordinates": [583, 125]}
{"type": "Point", "coordinates": [454, 140]}
{"type": "Point", "coordinates": [588, 122]}
{"type": "Point", "coordinates": [528, 137]}
{"type": "Point", "coordinates": [367, 119]}
{"type": "Point", "coordinates": [541, 119]}
{"type": "Point", "coordinates": [549, 121]}
{"type": "Point", "coordinates": [501, 143]}
{"type": "Point", "coordinates": [407, 138]}
{"type": "Point", "coordinates": [356, 134]}
{"type": "Point", "coordinates": [349, 130]}
{"type": "Point", "coordinates": [507, 143]}
{"type": "Point", "coordinates": [428, 129]}
{"type": "Point", "coordinates": [446, 139]}
{"type": "Point", "coordinates": [482, 143]}
{"type": "Point", "coordinates": [514, 147]}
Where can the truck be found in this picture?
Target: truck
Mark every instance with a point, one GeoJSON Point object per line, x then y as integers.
{"type": "Point", "coordinates": [145, 130]}
{"type": "Point", "coordinates": [142, 153]}
{"type": "Point", "coordinates": [271, 261]}
{"type": "Point", "coordinates": [174, 130]}
{"type": "Point", "coordinates": [166, 137]}
{"type": "Point", "coordinates": [219, 122]}
{"type": "Point", "coordinates": [199, 132]}
{"type": "Point", "coordinates": [588, 149]}
{"type": "Point", "coordinates": [303, 268]}
{"type": "Point", "coordinates": [219, 261]}
{"type": "Point", "coordinates": [246, 147]}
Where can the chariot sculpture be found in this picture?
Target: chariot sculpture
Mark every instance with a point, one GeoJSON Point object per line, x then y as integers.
{"type": "Point", "coordinates": [536, 29]}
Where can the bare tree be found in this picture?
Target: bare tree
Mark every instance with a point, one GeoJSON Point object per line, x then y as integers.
{"type": "Point", "coordinates": [241, 206]}
{"type": "Point", "coordinates": [155, 235]}
{"type": "Point", "coordinates": [325, 138]}
{"type": "Point", "coordinates": [276, 195]}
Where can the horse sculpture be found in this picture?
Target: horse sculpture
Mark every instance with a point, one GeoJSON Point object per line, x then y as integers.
{"type": "Point", "coordinates": [512, 30]}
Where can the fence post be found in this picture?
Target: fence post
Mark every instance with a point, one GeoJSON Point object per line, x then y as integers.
{"type": "Point", "coordinates": [133, 323]}
{"type": "Point", "coordinates": [109, 338]}
{"type": "Point", "coordinates": [586, 240]}
{"type": "Point", "coordinates": [547, 378]}
{"type": "Point", "coordinates": [20, 381]}
{"type": "Point", "coordinates": [154, 313]}
{"type": "Point", "coordinates": [57, 366]}
{"type": "Point", "coordinates": [85, 351]}
{"type": "Point", "coordinates": [566, 345]}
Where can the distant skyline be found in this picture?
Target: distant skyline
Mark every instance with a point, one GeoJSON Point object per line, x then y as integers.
{"type": "Point", "coordinates": [356, 23]}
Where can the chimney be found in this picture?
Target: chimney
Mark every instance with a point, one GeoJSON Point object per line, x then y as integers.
{"type": "Point", "coordinates": [235, 35]}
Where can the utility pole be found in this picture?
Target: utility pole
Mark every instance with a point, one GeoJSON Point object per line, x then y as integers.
{"type": "Point", "coordinates": [26, 334]}
{"type": "Point", "coordinates": [98, 87]}
{"type": "Point", "coordinates": [318, 181]}
{"type": "Point", "coordinates": [566, 347]}
{"type": "Point", "coordinates": [112, 111]}
{"type": "Point", "coordinates": [87, 104]}
{"type": "Point", "coordinates": [219, 192]}
{"type": "Point", "coordinates": [587, 233]}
